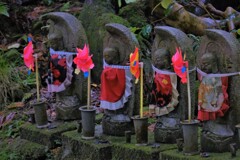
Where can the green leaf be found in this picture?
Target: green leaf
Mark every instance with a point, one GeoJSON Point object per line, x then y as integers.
{"type": "Point", "coordinates": [168, 10]}
{"type": "Point", "coordinates": [129, 1]}
{"type": "Point", "coordinates": [65, 7]}
{"type": "Point", "coordinates": [165, 3]}
{"type": "Point", "coordinates": [146, 30]}
{"type": "Point", "coordinates": [134, 29]}
{"type": "Point", "coordinates": [238, 31]}
{"type": "Point", "coordinates": [4, 9]}
{"type": "Point", "coordinates": [119, 3]}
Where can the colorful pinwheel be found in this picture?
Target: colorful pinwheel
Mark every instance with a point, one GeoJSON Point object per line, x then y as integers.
{"type": "Point", "coordinates": [28, 56]}
{"type": "Point", "coordinates": [180, 65]}
{"type": "Point", "coordinates": [134, 64]}
{"type": "Point", "coordinates": [83, 60]}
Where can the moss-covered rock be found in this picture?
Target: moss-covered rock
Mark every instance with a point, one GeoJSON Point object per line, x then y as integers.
{"type": "Point", "coordinates": [74, 147]}
{"type": "Point", "coordinates": [176, 155]}
{"type": "Point", "coordinates": [123, 150]}
{"type": "Point", "coordinates": [134, 14]}
{"type": "Point", "coordinates": [94, 17]}
{"type": "Point", "coordinates": [48, 137]}
{"type": "Point", "coordinates": [20, 149]}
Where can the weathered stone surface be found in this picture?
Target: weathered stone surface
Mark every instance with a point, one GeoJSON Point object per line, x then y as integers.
{"type": "Point", "coordinates": [66, 33]}
{"type": "Point", "coordinates": [164, 46]}
{"type": "Point", "coordinates": [213, 143]}
{"type": "Point", "coordinates": [221, 49]}
{"type": "Point", "coordinates": [47, 137]}
{"type": "Point", "coordinates": [118, 44]}
{"type": "Point", "coordinates": [74, 147]}
{"type": "Point", "coordinates": [122, 150]}
{"type": "Point", "coordinates": [94, 18]}
{"type": "Point", "coordinates": [176, 155]}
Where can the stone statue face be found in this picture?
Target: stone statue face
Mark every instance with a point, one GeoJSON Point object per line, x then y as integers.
{"type": "Point", "coordinates": [209, 63]}
{"type": "Point", "coordinates": [55, 36]}
{"type": "Point", "coordinates": [111, 55]}
{"type": "Point", "coordinates": [161, 59]}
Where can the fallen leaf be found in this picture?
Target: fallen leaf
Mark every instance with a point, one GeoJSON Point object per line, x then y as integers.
{"type": "Point", "coordinates": [15, 105]}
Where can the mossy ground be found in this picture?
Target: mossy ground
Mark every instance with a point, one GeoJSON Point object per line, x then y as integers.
{"type": "Point", "coordinates": [19, 149]}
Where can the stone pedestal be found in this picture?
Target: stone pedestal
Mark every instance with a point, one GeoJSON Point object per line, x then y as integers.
{"type": "Point", "coordinates": [167, 130]}
{"type": "Point", "coordinates": [116, 128]}
{"type": "Point", "coordinates": [213, 143]}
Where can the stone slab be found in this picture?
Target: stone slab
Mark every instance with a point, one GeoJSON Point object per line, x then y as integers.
{"type": "Point", "coordinates": [122, 150]}
{"type": "Point", "coordinates": [48, 137]}
{"type": "Point", "coordinates": [109, 147]}
{"type": "Point", "coordinates": [176, 155]}
{"type": "Point", "coordinates": [74, 147]}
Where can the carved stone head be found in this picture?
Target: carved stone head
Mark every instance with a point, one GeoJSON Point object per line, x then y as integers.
{"type": "Point", "coordinates": [209, 63]}
{"type": "Point", "coordinates": [161, 59]}
{"type": "Point", "coordinates": [164, 46]}
{"type": "Point", "coordinates": [219, 48]}
{"type": "Point", "coordinates": [118, 44]}
{"type": "Point", "coordinates": [65, 31]}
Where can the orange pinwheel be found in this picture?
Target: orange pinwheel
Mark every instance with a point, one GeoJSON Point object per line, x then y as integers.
{"type": "Point", "coordinates": [134, 64]}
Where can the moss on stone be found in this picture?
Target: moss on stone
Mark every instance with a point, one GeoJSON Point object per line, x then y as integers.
{"type": "Point", "coordinates": [48, 137]}
{"type": "Point", "coordinates": [176, 155]}
{"type": "Point", "coordinates": [20, 149]}
{"type": "Point", "coordinates": [94, 17]}
{"type": "Point", "coordinates": [77, 148]}
{"type": "Point", "coordinates": [123, 150]}
{"type": "Point", "coordinates": [134, 14]}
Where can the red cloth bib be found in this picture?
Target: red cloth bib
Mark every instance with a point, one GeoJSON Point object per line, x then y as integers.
{"type": "Point", "coordinates": [112, 84]}
{"type": "Point", "coordinates": [163, 83]}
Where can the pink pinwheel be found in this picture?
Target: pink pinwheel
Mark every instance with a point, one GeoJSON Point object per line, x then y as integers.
{"type": "Point", "coordinates": [83, 60]}
{"type": "Point", "coordinates": [180, 65]}
{"type": "Point", "coordinates": [28, 56]}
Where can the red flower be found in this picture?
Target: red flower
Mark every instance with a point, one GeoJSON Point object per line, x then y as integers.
{"type": "Point", "coordinates": [54, 56]}
{"type": "Point", "coordinates": [62, 62]}
{"type": "Point", "coordinates": [57, 82]}
{"type": "Point", "coordinates": [56, 73]}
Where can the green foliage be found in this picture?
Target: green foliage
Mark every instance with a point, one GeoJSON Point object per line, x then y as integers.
{"type": "Point", "coordinates": [166, 3]}
{"type": "Point", "coordinates": [11, 79]}
{"type": "Point", "coordinates": [65, 7]}
{"type": "Point", "coordinates": [196, 42]}
{"type": "Point", "coordinates": [143, 35]}
{"type": "Point", "coordinates": [48, 2]}
{"type": "Point", "coordinates": [127, 1]}
{"type": "Point", "coordinates": [4, 9]}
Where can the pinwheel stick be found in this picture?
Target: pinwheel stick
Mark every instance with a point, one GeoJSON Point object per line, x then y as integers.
{"type": "Point", "coordinates": [89, 89]}
{"type": "Point", "coordinates": [141, 89]}
{"type": "Point", "coordinates": [37, 81]}
{"type": "Point", "coordinates": [189, 96]}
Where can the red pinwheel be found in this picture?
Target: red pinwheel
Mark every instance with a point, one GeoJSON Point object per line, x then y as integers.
{"type": "Point", "coordinates": [28, 56]}
{"type": "Point", "coordinates": [180, 65]}
{"type": "Point", "coordinates": [83, 60]}
{"type": "Point", "coordinates": [134, 64]}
